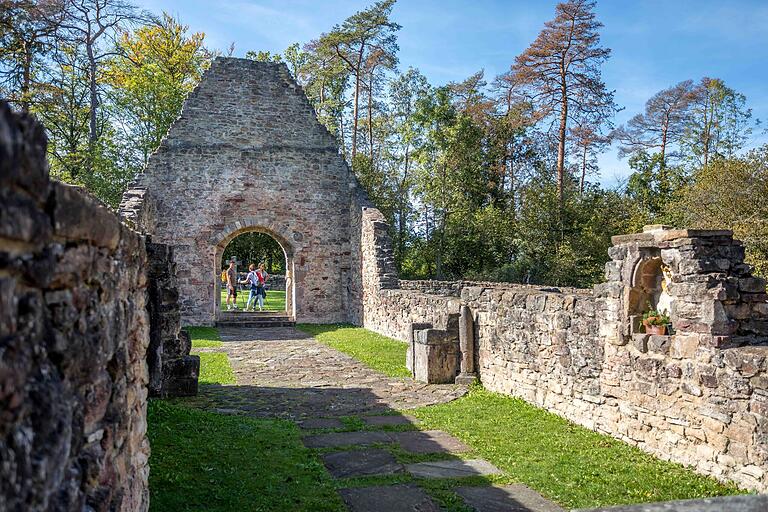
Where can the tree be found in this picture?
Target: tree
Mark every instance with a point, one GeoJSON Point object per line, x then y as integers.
{"type": "Point", "coordinates": [157, 66]}
{"type": "Point", "coordinates": [738, 203]}
{"type": "Point", "coordinates": [362, 42]}
{"type": "Point", "coordinates": [651, 189]}
{"type": "Point", "coordinates": [561, 71]}
{"type": "Point", "coordinates": [262, 56]}
{"type": "Point", "coordinates": [662, 124]}
{"type": "Point", "coordinates": [94, 26]}
{"type": "Point", "coordinates": [719, 124]}
{"type": "Point", "coordinates": [451, 178]}
{"type": "Point", "coordinates": [588, 142]}
{"type": "Point", "coordinates": [405, 93]}
{"type": "Point", "coordinates": [27, 37]}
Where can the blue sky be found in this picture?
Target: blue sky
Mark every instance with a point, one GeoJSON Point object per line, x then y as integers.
{"type": "Point", "coordinates": [655, 43]}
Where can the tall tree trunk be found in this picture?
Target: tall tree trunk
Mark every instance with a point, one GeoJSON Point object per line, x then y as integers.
{"type": "Point", "coordinates": [370, 118]}
{"type": "Point", "coordinates": [401, 220]}
{"type": "Point", "coordinates": [664, 130]}
{"type": "Point", "coordinates": [561, 143]}
{"type": "Point", "coordinates": [356, 101]}
{"type": "Point", "coordinates": [583, 169]}
{"type": "Point", "coordinates": [94, 102]}
{"type": "Point", "coordinates": [26, 78]}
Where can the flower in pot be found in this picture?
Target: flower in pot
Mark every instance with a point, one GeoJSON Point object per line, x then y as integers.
{"type": "Point", "coordinates": [655, 322]}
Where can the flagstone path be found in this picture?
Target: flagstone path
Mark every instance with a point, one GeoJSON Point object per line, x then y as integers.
{"type": "Point", "coordinates": [353, 417]}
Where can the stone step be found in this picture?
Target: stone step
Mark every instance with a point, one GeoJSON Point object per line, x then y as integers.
{"type": "Point", "coordinates": [262, 324]}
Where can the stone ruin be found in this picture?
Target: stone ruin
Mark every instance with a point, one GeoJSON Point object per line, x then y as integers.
{"type": "Point", "coordinates": [697, 395]}
{"type": "Point", "coordinates": [248, 154]}
{"type": "Point", "coordinates": [90, 310]}
{"type": "Point", "coordinates": [82, 298]}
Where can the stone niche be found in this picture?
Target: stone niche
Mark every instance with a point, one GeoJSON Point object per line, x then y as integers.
{"type": "Point", "coordinates": [698, 276]}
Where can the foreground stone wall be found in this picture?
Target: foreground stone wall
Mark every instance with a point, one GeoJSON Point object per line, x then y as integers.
{"type": "Point", "coordinates": [73, 337]}
{"type": "Point", "coordinates": [698, 396]}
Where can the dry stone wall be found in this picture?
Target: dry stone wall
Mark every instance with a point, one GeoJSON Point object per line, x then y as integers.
{"type": "Point", "coordinates": [73, 335]}
{"type": "Point", "coordinates": [698, 396]}
{"type": "Point", "coordinates": [248, 154]}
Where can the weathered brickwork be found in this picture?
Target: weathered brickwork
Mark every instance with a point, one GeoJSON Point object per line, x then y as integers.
{"type": "Point", "coordinates": [699, 396]}
{"type": "Point", "coordinates": [73, 335]}
{"type": "Point", "coordinates": [248, 154]}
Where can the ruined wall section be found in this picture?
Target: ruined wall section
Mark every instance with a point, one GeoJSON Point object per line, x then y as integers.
{"type": "Point", "coordinates": [697, 396]}
{"type": "Point", "coordinates": [248, 151]}
{"type": "Point", "coordinates": [73, 337]}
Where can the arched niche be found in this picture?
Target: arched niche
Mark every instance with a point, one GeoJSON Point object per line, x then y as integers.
{"type": "Point", "coordinates": [648, 289]}
{"type": "Point", "coordinates": [236, 229]}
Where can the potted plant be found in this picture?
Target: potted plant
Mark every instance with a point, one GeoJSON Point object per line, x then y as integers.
{"type": "Point", "coordinates": [655, 322]}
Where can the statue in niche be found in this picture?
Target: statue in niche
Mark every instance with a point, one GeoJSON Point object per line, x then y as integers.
{"type": "Point", "coordinates": [664, 303]}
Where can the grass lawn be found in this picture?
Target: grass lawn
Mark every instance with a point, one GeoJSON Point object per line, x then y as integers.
{"type": "Point", "coordinates": [214, 366]}
{"type": "Point", "coordinates": [379, 352]}
{"type": "Point", "coordinates": [571, 465]}
{"type": "Point", "coordinates": [213, 462]}
{"type": "Point", "coordinates": [275, 300]}
{"type": "Point", "coordinates": [204, 337]}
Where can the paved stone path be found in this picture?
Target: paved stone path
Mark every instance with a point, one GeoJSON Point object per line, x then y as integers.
{"type": "Point", "coordinates": [282, 372]}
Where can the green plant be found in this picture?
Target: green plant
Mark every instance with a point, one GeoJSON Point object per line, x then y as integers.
{"type": "Point", "coordinates": [654, 317]}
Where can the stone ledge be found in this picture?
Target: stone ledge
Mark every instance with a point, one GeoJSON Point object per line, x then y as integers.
{"type": "Point", "coordinates": [754, 503]}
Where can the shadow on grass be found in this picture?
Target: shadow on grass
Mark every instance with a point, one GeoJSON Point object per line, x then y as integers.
{"type": "Point", "coordinates": [241, 448]}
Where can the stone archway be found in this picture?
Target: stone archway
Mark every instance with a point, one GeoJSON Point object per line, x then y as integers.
{"type": "Point", "coordinates": [250, 225]}
{"type": "Point", "coordinates": [248, 154]}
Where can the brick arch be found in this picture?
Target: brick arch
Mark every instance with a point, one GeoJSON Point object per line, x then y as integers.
{"type": "Point", "coordinates": [232, 230]}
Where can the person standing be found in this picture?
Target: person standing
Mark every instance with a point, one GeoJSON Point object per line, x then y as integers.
{"type": "Point", "coordinates": [261, 291]}
{"type": "Point", "coordinates": [255, 294]}
{"type": "Point", "coordinates": [232, 286]}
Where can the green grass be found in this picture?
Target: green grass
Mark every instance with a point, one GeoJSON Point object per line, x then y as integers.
{"type": "Point", "coordinates": [215, 368]}
{"type": "Point", "coordinates": [204, 337]}
{"type": "Point", "coordinates": [374, 350]}
{"type": "Point", "coordinates": [571, 465]}
{"type": "Point", "coordinates": [275, 300]}
{"type": "Point", "coordinates": [212, 462]}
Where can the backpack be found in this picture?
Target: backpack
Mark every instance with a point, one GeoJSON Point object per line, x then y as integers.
{"type": "Point", "coordinates": [224, 276]}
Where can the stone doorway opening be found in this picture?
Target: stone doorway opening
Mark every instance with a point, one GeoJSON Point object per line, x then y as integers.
{"type": "Point", "coordinates": [255, 245]}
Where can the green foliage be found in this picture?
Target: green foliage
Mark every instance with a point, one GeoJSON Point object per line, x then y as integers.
{"type": "Point", "coordinates": [568, 464]}
{"type": "Point", "coordinates": [157, 66]}
{"type": "Point", "coordinates": [206, 461]}
{"type": "Point", "coordinates": [654, 317]}
{"type": "Point", "coordinates": [731, 193]}
{"type": "Point", "coordinates": [379, 352]}
{"type": "Point", "coordinates": [256, 248]}
{"type": "Point", "coordinates": [651, 189]}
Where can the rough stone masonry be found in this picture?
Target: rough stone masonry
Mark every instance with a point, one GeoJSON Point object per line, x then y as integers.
{"type": "Point", "coordinates": [248, 154]}
{"type": "Point", "coordinates": [74, 330]}
{"type": "Point", "coordinates": [698, 395]}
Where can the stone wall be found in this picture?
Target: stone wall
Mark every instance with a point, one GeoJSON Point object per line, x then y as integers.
{"type": "Point", "coordinates": [172, 371]}
{"type": "Point", "coordinates": [248, 154]}
{"type": "Point", "coordinates": [698, 396]}
{"type": "Point", "coordinates": [73, 337]}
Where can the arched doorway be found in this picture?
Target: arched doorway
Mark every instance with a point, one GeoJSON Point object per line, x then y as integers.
{"type": "Point", "coordinates": [255, 244]}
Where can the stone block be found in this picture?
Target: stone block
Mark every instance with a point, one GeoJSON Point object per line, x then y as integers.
{"type": "Point", "coordinates": [436, 356]}
{"type": "Point", "coordinates": [78, 216]}
{"type": "Point", "coordinates": [180, 376]}
{"type": "Point", "coordinates": [659, 344]}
